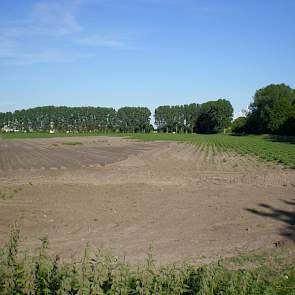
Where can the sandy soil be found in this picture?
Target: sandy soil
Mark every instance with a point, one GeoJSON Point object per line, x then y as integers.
{"type": "Point", "coordinates": [122, 196]}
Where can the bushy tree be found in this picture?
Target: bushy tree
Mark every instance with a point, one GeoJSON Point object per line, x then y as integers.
{"type": "Point", "coordinates": [165, 118]}
{"type": "Point", "coordinates": [214, 116]}
{"type": "Point", "coordinates": [239, 125]}
{"type": "Point", "coordinates": [272, 110]}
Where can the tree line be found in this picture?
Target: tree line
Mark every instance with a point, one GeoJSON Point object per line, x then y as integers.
{"type": "Point", "coordinates": [272, 111]}
{"type": "Point", "coordinates": [126, 119]}
{"type": "Point", "coordinates": [211, 116]}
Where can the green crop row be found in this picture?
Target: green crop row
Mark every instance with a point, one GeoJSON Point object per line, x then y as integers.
{"type": "Point", "coordinates": [262, 147]}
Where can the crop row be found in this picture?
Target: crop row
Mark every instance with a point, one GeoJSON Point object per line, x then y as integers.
{"type": "Point", "coordinates": [261, 147]}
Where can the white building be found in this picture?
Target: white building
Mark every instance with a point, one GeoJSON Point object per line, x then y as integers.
{"type": "Point", "coordinates": [6, 128]}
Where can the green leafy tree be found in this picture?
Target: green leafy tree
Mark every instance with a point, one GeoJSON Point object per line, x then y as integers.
{"type": "Point", "coordinates": [239, 125]}
{"type": "Point", "coordinates": [271, 109]}
{"type": "Point", "coordinates": [134, 119]}
{"type": "Point", "coordinates": [179, 118]}
{"type": "Point", "coordinates": [214, 116]}
{"type": "Point", "coordinates": [62, 118]}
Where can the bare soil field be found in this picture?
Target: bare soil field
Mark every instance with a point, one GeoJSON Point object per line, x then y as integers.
{"type": "Point", "coordinates": [121, 196]}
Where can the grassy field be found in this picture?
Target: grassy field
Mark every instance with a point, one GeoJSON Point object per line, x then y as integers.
{"type": "Point", "coordinates": [280, 150]}
{"type": "Point", "coordinates": [39, 273]}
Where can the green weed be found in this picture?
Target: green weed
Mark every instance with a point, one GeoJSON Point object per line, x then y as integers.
{"type": "Point", "coordinates": [9, 193]}
{"type": "Point", "coordinates": [72, 143]}
{"type": "Point", "coordinates": [95, 273]}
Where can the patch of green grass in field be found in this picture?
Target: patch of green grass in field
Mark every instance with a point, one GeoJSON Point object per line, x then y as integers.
{"type": "Point", "coordinates": [39, 273]}
{"type": "Point", "coordinates": [72, 143]}
{"type": "Point", "coordinates": [263, 147]}
{"type": "Point", "coordinates": [244, 259]}
{"type": "Point", "coordinates": [30, 135]}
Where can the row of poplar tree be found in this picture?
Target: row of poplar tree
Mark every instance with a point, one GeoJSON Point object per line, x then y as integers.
{"type": "Point", "coordinates": [208, 117]}
{"type": "Point", "coordinates": [127, 119]}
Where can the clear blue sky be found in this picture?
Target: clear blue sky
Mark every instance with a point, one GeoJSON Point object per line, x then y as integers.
{"type": "Point", "coordinates": [142, 52]}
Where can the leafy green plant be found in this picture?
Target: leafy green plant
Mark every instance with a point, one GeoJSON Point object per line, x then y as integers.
{"type": "Point", "coordinates": [95, 273]}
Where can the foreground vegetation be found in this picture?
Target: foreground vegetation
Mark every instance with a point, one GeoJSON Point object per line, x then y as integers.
{"type": "Point", "coordinates": [21, 273]}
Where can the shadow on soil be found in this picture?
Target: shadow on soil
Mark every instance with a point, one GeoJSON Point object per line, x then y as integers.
{"type": "Point", "coordinates": [285, 216]}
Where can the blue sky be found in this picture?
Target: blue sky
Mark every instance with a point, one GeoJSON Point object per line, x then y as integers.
{"type": "Point", "coordinates": [142, 52]}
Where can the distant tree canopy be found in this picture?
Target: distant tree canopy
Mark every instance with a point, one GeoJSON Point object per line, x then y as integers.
{"type": "Point", "coordinates": [134, 119]}
{"type": "Point", "coordinates": [209, 117]}
{"type": "Point", "coordinates": [272, 111]}
{"type": "Point", "coordinates": [77, 119]}
{"type": "Point", "coordinates": [238, 125]}
{"type": "Point", "coordinates": [179, 118]}
{"type": "Point", "coordinates": [214, 116]}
